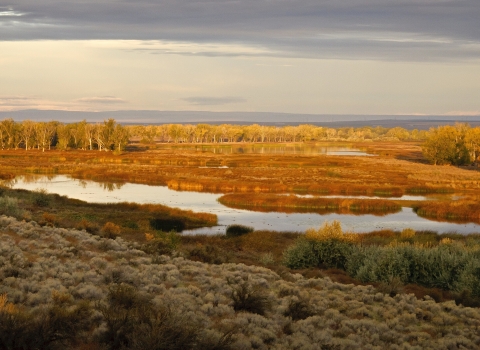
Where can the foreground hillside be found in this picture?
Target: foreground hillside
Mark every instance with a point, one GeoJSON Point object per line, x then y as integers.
{"type": "Point", "coordinates": [67, 288]}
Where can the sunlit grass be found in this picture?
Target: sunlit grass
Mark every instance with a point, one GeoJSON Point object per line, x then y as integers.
{"type": "Point", "coordinates": [292, 203]}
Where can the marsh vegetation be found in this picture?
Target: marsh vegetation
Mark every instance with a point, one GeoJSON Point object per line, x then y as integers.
{"type": "Point", "coordinates": [85, 275]}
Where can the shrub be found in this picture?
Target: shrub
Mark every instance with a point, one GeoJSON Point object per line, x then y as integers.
{"type": "Point", "coordinates": [167, 224]}
{"type": "Point", "coordinates": [134, 322]}
{"type": "Point", "coordinates": [393, 287]}
{"type": "Point", "coordinates": [162, 243]}
{"type": "Point", "coordinates": [300, 255]}
{"type": "Point", "coordinates": [44, 327]}
{"type": "Point", "coordinates": [250, 299]}
{"type": "Point", "coordinates": [407, 233]}
{"type": "Point", "coordinates": [208, 254]}
{"type": "Point", "coordinates": [298, 309]}
{"type": "Point", "coordinates": [110, 230]}
{"type": "Point", "coordinates": [327, 246]}
{"type": "Point", "coordinates": [132, 225]}
{"type": "Point", "coordinates": [331, 231]}
{"type": "Point", "coordinates": [238, 230]}
{"type": "Point", "coordinates": [9, 206]}
{"type": "Point", "coordinates": [48, 219]}
{"type": "Point", "coordinates": [88, 226]}
{"type": "Point", "coordinates": [41, 198]}
{"type": "Point", "coordinates": [333, 253]}
{"type": "Point", "coordinates": [267, 259]}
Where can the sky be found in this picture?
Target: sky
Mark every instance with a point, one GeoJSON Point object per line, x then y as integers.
{"type": "Point", "coordinates": [365, 57]}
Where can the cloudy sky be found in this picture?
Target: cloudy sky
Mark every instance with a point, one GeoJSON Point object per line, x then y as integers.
{"type": "Point", "coordinates": [294, 56]}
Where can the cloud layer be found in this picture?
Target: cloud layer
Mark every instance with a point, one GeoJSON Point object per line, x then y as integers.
{"type": "Point", "coordinates": [413, 30]}
{"type": "Point", "coordinates": [213, 101]}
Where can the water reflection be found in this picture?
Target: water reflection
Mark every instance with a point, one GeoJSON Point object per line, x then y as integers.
{"type": "Point", "coordinates": [403, 197]}
{"type": "Point", "coordinates": [207, 202]}
{"type": "Point", "coordinates": [277, 149]}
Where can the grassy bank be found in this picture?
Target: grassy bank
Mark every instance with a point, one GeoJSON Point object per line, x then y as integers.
{"type": "Point", "coordinates": [132, 220]}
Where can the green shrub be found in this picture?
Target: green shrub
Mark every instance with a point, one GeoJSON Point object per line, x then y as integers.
{"type": "Point", "coordinates": [332, 252]}
{"type": "Point", "coordinates": [167, 224]}
{"type": "Point", "coordinates": [308, 253]}
{"type": "Point", "coordinates": [301, 255]}
{"type": "Point", "coordinates": [9, 206]}
{"type": "Point", "coordinates": [238, 230]}
{"type": "Point", "coordinates": [448, 266]}
{"type": "Point", "coordinates": [163, 243]}
{"type": "Point", "coordinates": [41, 198]}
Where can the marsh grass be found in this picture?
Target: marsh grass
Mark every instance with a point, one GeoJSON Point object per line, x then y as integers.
{"type": "Point", "coordinates": [270, 202]}
{"type": "Point", "coordinates": [458, 211]}
{"type": "Point", "coordinates": [181, 170]}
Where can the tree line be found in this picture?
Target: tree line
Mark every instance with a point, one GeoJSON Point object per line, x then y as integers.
{"type": "Point", "coordinates": [28, 134]}
{"type": "Point", "coordinates": [112, 136]}
{"type": "Point", "coordinates": [206, 133]}
{"type": "Point", "coordinates": [456, 145]}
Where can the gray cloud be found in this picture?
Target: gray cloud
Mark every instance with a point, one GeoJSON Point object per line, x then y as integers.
{"type": "Point", "coordinates": [412, 30]}
{"type": "Point", "coordinates": [213, 101]}
{"type": "Point", "coordinates": [101, 100]}
{"type": "Point", "coordinates": [18, 101]}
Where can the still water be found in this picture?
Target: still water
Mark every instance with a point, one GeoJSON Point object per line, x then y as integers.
{"type": "Point", "coordinates": [277, 149]}
{"type": "Point", "coordinates": [91, 191]}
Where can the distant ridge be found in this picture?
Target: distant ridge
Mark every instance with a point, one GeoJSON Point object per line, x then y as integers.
{"type": "Point", "coordinates": [264, 118]}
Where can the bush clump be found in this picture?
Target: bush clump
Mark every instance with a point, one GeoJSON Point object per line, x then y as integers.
{"type": "Point", "coordinates": [41, 198]}
{"type": "Point", "coordinates": [110, 230]}
{"type": "Point", "coordinates": [328, 247]}
{"type": "Point", "coordinates": [9, 206]}
{"type": "Point", "coordinates": [161, 243]}
{"type": "Point", "coordinates": [238, 230]}
{"type": "Point", "coordinates": [208, 254]}
{"type": "Point", "coordinates": [167, 224]}
{"type": "Point", "coordinates": [449, 266]}
{"type": "Point", "coordinates": [250, 299]}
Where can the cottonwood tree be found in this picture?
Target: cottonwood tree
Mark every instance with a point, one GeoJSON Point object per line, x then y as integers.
{"type": "Point", "coordinates": [44, 134]}
{"type": "Point", "coordinates": [446, 145]}
{"type": "Point", "coordinates": [8, 133]}
{"type": "Point", "coordinates": [120, 137]}
{"type": "Point", "coordinates": [27, 132]}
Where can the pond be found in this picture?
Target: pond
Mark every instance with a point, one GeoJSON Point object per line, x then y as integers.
{"type": "Point", "coordinates": [91, 191]}
{"type": "Point", "coordinates": [278, 149]}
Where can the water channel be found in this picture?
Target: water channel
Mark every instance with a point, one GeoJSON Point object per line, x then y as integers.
{"type": "Point", "coordinates": [91, 191]}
